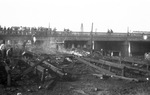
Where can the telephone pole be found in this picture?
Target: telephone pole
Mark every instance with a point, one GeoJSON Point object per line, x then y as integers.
{"type": "Point", "coordinates": [81, 27]}
{"type": "Point", "coordinates": [91, 40]}
{"type": "Point", "coordinates": [49, 26]}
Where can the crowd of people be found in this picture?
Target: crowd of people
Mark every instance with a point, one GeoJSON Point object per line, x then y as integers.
{"type": "Point", "coordinates": [16, 30]}
{"type": "Point", "coordinates": [25, 30]}
{"type": "Point", "coordinates": [5, 51]}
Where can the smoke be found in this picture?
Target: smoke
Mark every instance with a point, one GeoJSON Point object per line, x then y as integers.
{"type": "Point", "coordinates": [49, 46]}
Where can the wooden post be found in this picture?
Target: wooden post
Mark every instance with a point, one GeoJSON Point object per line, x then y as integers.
{"type": "Point", "coordinates": [8, 80]}
{"type": "Point", "coordinates": [123, 72]}
{"type": "Point", "coordinates": [147, 67]}
{"type": "Point", "coordinates": [120, 61]}
{"type": "Point", "coordinates": [109, 68]}
{"type": "Point", "coordinates": [43, 76]}
{"type": "Point", "coordinates": [102, 65]}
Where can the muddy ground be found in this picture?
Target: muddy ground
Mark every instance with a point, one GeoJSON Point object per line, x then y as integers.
{"type": "Point", "coordinates": [84, 83]}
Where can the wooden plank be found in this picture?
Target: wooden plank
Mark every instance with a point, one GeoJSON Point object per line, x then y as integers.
{"type": "Point", "coordinates": [28, 70]}
{"type": "Point", "coordinates": [105, 62]}
{"type": "Point", "coordinates": [119, 77]}
{"type": "Point", "coordinates": [126, 60]}
{"type": "Point", "coordinates": [133, 61]}
{"type": "Point", "coordinates": [55, 69]}
{"type": "Point", "coordinates": [31, 68]}
{"type": "Point", "coordinates": [96, 67]}
{"type": "Point", "coordinates": [133, 68]}
{"type": "Point", "coordinates": [40, 68]}
{"type": "Point", "coordinates": [121, 66]}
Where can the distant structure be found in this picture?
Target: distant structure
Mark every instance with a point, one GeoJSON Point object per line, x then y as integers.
{"type": "Point", "coordinates": [49, 26]}
{"type": "Point", "coordinates": [142, 32]}
{"type": "Point", "coordinates": [81, 27]}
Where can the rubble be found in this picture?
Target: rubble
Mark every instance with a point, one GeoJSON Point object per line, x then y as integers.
{"type": "Point", "coordinates": [25, 68]}
{"type": "Point", "coordinates": [55, 74]}
{"type": "Point", "coordinates": [79, 52]}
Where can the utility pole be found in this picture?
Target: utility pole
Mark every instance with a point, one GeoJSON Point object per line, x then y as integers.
{"type": "Point", "coordinates": [127, 29]}
{"type": "Point", "coordinates": [49, 26]}
{"type": "Point", "coordinates": [91, 40]}
{"type": "Point", "coordinates": [81, 27]}
{"type": "Point", "coordinates": [127, 45]}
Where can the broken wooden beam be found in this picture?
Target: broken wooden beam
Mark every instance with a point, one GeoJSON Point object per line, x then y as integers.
{"type": "Point", "coordinates": [53, 68]}
{"type": "Point", "coordinates": [123, 60]}
{"type": "Point", "coordinates": [28, 70]}
{"type": "Point", "coordinates": [121, 66]}
{"type": "Point", "coordinates": [96, 67]}
{"type": "Point", "coordinates": [119, 77]}
{"type": "Point", "coordinates": [105, 62]}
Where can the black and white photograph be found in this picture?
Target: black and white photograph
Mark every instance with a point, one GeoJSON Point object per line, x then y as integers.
{"type": "Point", "coordinates": [74, 47]}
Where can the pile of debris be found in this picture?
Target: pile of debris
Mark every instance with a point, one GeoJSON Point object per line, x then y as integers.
{"type": "Point", "coordinates": [79, 52]}
{"type": "Point", "coordinates": [65, 72]}
{"type": "Point", "coordinates": [31, 72]}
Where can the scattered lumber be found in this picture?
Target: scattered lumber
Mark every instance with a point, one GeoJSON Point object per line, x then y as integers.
{"type": "Point", "coordinates": [107, 72]}
{"type": "Point", "coordinates": [28, 70]}
{"type": "Point", "coordinates": [119, 77]}
{"type": "Point", "coordinates": [54, 69]}
{"type": "Point", "coordinates": [105, 62]}
{"type": "Point", "coordinates": [121, 66]}
{"type": "Point", "coordinates": [96, 67]}
{"type": "Point", "coordinates": [129, 61]}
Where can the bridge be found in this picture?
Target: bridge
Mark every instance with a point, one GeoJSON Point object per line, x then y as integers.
{"type": "Point", "coordinates": [97, 36]}
{"type": "Point", "coordinates": [126, 44]}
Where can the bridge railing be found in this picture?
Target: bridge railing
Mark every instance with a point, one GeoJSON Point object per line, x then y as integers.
{"type": "Point", "coordinates": [89, 33]}
{"type": "Point", "coordinates": [64, 33]}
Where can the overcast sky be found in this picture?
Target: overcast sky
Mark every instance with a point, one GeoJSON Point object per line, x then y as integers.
{"type": "Point", "coordinates": [105, 14]}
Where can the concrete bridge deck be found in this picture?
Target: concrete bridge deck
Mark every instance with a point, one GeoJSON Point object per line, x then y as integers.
{"type": "Point", "coordinates": [81, 36]}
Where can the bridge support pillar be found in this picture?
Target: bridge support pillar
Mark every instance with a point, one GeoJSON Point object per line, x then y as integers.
{"type": "Point", "coordinates": [91, 45]}
{"type": "Point", "coordinates": [72, 46]}
{"type": "Point", "coordinates": [126, 52]}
